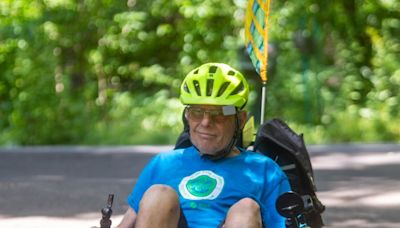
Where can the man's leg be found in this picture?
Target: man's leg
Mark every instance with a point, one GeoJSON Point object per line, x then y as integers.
{"type": "Point", "coordinates": [159, 207]}
{"type": "Point", "coordinates": [245, 214]}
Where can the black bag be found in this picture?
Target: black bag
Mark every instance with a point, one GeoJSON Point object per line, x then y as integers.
{"type": "Point", "coordinates": [276, 140]}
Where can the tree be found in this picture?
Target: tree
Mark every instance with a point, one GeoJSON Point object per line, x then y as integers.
{"type": "Point", "coordinates": [109, 71]}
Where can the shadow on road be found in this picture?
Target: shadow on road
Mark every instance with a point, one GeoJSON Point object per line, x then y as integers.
{"type": "Point", "coordinates": [358, 184]}
{"type": "Point", "coordinates": [66, 184]}
{"type": "Point", "coordinates": [360, 189]}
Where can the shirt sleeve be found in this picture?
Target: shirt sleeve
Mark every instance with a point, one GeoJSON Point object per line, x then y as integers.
{"type": "Point", "coordinates": [146, 179]}
{"type": "Point", "coordinates": [277, 185]}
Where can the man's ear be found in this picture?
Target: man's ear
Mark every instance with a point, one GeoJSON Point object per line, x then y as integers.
{"type": "Point", "coordinates": [185, 119]}
{"type": "Point", "coordinates": [242, 118]}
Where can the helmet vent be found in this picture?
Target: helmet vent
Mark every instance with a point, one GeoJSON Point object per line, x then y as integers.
{"type": "Point", "coordinates": [210, 84]}
{"type": "Point", "coordinates": [223, 88]}
{"type": "Point", "coordinates": [197, 87]}
{"type": "Point", "coordinates": [238, 89]}
{"type": "Point", "coordinates": [212, 69]}
{"type": "Point", "coordinates": [196, 71]}
{"type": "Point", "coordinates": [185, 87]}
{"type": "Point", "coordinates": [231, 73]}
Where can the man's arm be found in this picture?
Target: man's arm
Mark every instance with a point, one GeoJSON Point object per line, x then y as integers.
{"type": "Point", "coordinates": [129, 219]}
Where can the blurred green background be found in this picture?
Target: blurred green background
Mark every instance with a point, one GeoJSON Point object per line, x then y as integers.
{"type": "Point", "coordinates": [108, 72]}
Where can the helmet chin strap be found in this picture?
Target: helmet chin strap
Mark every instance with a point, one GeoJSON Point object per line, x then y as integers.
{"type": "Point", "coordinates": [225, 152]}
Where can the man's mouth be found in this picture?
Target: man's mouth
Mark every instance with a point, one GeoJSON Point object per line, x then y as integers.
{"type": "Point", "coordinates": [206, 135]}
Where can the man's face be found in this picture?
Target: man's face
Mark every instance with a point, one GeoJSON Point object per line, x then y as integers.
{"type": "Point", "coordinates": [210, 130]}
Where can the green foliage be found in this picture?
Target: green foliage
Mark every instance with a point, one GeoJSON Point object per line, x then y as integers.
{"type": "Point", "coordinates": [139, 120]}
{"type": "Point", "coordinates": [336, 76]}
{"type": "Point", "coordinates": [108, 72]}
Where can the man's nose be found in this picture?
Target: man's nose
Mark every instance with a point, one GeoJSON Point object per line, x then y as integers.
{"type": "Point", "coordinates": [207, 119]}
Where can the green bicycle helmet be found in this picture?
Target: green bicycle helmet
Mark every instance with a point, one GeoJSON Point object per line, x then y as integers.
{"type": "Point", "coordinates": [215, 84]}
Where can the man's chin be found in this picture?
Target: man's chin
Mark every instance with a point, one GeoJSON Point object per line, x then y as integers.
{"type": "Point", "coordinates": [207, 151]}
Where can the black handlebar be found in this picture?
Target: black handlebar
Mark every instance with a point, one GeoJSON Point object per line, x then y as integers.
{"type": "Point", "coordinates": [106, 212]}
{"type": "Point", "coordinates": [290, 205]}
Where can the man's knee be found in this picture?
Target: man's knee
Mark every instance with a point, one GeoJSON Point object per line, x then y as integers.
{"type": "Point", "coordinates": [159, 207]}
{"type": "Point", "coordinates": [244, 213]}
{"type": "Point", "coordinates": [160, 194]}
{"type": "Point", "coordinates": [161, 189]}
{"type": "Point", "coordinates": [247, 205]}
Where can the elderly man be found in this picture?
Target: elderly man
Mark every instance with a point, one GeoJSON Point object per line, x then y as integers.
{"type": "Point", "coordinates": [212, 183]}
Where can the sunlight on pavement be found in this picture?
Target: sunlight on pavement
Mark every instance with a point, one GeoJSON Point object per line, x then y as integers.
{"type": "Point", "coordinates": [387, 199]}
{"type": "Point", "coordinates": [84, 221]}
{"type": "Point", "coordinates": [341, 160]}
{"type": "Point", "coordinates": [367, 197]}
{"type": "Point", "coordinates": [361, 223]}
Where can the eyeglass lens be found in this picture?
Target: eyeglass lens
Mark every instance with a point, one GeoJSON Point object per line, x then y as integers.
{"type": "Point", "coordinates": [197, 114]}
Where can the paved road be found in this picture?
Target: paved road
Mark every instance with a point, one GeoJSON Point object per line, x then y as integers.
{"type": "Point", "coordinates": [67, 186]}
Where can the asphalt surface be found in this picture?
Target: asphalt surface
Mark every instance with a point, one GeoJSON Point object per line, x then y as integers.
{"type": "Point", "coordinates": [68, 186]}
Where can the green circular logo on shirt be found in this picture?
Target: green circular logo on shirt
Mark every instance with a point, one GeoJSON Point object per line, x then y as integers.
{"type": "Point", "coordinates": [203, 184]}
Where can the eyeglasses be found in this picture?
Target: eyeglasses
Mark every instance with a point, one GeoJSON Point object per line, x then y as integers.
{"type": "Point", "coordinates": [218, 115]}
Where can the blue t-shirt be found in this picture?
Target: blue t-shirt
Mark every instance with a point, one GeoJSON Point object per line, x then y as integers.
{"type": "Point", "coordinates": [207, 189]}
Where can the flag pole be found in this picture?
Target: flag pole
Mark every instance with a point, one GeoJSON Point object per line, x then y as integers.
{"type": "Point", "coordinates": [263, 95]}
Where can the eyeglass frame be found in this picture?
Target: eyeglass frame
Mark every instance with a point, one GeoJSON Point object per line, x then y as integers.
{"type": "Point", "coordinates": [214, 114]}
